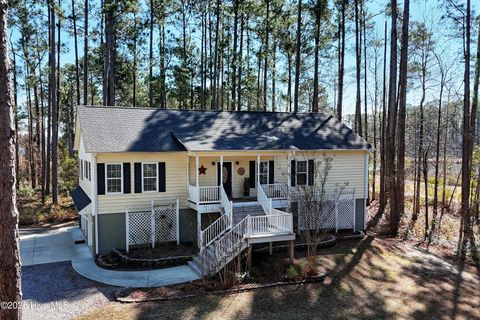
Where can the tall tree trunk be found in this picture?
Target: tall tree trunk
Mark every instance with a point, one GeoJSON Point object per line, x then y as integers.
{"type": "Point", "coordinates": [214, 105]}
{"type": "Point", "coordinates": [289, 85]}
{"type": "Point", "coordinates": [163, 68]}
{"type": "Point", "coordinates": [10, 270]}
{"type": "Point", "coordinates": [109, 63]}
{"type": "Point", "coordinates": [375, 137]}
{"type": "Point", "coordinates": [383, 195]}
{"type": "Point", "coordinates": [49, 105]}
{"type": "Point", "coordinates": [202, 60]}
{"type": "Point", "coordinates": [85, 55]}
{"type": "Point", "coordinates": [425, 181]}
{"type": "Point", "coordinates": [364, 29]}
{"type": "Point", "coordinates": [391, 124]}
{"type": "Point", "coordinates": [437, 154]}
{"type": "Point", "coordinates": [16, 116]}
{"type": "Point", "coordinates": [358, 57]}
{"type": "Point", "coordinates": [402, 104]}
{"type": "Point", "coordinates": [341, 58]}
{"type": "Point", "coordinates": [318, 12]}
{"type": "Point", "coordinates": [53, 105]}
{"type": "Point", "coordinates": [75, 42]}
{"type": "Point", "coordinates": [234, 53]}
{"type": "Point", "coordinates": [274, 52]}
{"type": "Point", "coordinates": [266, 53]}
{"type": "Point", "coordinates": [297, 56]}
{"type": "Point", "coordinates": [240, 56]}
{"type": "Point", "coordinates": [467, 139]}
{"type": "Point", "coordinates": [150, 56]}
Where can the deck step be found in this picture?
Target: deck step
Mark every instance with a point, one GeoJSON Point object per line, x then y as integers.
{"type": "Point", "coordinates": [240, 212]}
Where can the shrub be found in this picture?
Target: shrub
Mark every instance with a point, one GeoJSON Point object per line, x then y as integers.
{"type": "Point", "coordinates": [26, 190]}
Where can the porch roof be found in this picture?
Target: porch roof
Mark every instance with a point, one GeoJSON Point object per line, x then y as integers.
{"type": "Point", "coordinates": [120, 129]}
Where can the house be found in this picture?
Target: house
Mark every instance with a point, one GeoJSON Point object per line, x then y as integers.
{"type": "Point", "coordinates": [153, 175]}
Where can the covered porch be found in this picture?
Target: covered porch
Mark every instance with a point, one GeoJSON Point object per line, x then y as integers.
{"type": "Point", "coordinates": [236, 177]}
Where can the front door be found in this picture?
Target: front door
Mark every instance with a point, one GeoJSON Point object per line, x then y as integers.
{"type": "Point", "coordinates": [227, 177]}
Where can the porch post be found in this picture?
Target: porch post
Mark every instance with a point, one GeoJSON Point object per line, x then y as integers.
{"type": "Point", "coordinates": [221, 170]}
{"type": "Point", "coordinates": [199, 216]}
{"type": "Point", "coordinates": [197, 183]}
{"type": "Point", "coordinates": [289, 171]}
{"type": "Point", "coordinates": [258, 170]}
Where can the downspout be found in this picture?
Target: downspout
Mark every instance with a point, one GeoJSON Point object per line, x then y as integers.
{"type": "Point", "coordinates": [95, 198]}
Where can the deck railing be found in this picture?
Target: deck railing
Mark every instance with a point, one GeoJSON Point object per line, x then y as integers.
{"type": "Point", "coordinates": [268, 224]}
{"type": "Point", "coordinates": [276, 190]}
{"type": "Point", "coordinates": [192, 193]}
{"type": "Point", "coordinates": [209, 194]}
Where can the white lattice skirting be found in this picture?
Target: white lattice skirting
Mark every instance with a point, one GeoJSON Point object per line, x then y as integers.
{"type": "Point", "coordinates": [147, 227]}
{"type": "Point", "coordinates": [335, 212]}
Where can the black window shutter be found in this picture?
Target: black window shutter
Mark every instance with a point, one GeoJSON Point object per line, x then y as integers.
{"type": "Point", "coordinates": [126, 178]}
{"type": "Point", "coordinates": [161, 177]}
{"type": "Point", "coordinates": [293, 174]}
{"type": "Point", "coordinates": [311, 172]}
{"type": "Point", "coordinates": [138, 177]}
{"type": "Point", "coordinates": [252, 174]}
{"type": "Point", "coordinates": [271, 171]}
{"type": "Point", "coordinates": [101, 178]}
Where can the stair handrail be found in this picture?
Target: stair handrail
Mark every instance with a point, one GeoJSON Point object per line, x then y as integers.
{"type": "Point", "coordinates": [265, 202]}
{"type": "Point", "coordinates": [230, 242]}
{"type": "Point", "coordinates": [219, 226]}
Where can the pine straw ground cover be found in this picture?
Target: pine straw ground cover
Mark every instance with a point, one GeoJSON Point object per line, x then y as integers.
{"type": "Point", "coordinates": [370, 279]}
{"type": "Point", "coordinates": [33, 212]}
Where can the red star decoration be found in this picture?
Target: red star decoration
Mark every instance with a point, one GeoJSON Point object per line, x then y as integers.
{"type": "Point", "coordinates": [202, 170]}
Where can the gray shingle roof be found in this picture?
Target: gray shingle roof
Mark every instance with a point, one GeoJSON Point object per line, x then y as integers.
{"type": "Point", "coordinates": [118, 129]}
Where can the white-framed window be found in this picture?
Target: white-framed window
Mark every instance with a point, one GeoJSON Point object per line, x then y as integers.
{"type": "Point", "coordinates": [85, 169]}
{"type": "Point", "coordinates": [149, 177]}
{"type": "Point", "coordinates": [113, 178]}
{"type": "Point", "coordinates": [263, 174]}
{"type": "Point", "coordinates": [302, 172]}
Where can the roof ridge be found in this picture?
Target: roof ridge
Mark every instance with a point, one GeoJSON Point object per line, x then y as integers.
{"type": "Point", "coordinates": [197, 110]}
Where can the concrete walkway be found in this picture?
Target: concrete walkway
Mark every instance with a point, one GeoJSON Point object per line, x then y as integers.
{"type": "Point", "coordinates": [45, 246]}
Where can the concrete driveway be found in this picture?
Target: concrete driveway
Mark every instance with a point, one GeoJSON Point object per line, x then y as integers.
{"type": "Point", "coordinates": [47, 245]}
{"type": "Point", "coordinates": [40, 246]}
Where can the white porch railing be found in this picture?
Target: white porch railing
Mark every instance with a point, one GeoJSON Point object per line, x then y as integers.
{"type": "Point", "coordinates": [275, 223]}
{"type": "Point", "coordinates": [220, 225]}
{"type": "Point", "coordinates": [276, 190]}
{"type": "Point", "coordinates": [204, 195]}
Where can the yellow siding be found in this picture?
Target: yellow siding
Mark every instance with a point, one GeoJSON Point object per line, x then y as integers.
{"type": "Point", "coordinates": [210, 178]}
{"type": "Point", "coordinates": [85, 183]}
{"type": "Point", "coordinates": [347, 167]}
{"type": "Point", "coordinates": [176, 181]}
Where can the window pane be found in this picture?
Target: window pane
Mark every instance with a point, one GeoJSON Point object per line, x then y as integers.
{"type": "Point", "coordinates": [263, 167]}
{"type": "Point", "coordinates": [114, 171]}
{"type": "Point", "coordinates": [301, 179]}
{"type": "Point", "coordinates": [302, 166]}
{"type": "Point", "coordinates": [263, 178]}
{"type": "Point", "coordinates": [114, 185]}
{"type": "Point", "coordinates": [149, 170]}
{"type": "Point", "coordinates": [149, 184]}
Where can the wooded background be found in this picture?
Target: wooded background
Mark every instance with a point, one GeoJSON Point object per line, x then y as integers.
{"type": "Point", "coordinates": [410, 81]}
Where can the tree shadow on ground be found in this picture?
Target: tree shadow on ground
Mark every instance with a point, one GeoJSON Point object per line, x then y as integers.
{"type": "Point", "coordinates": [370, 279]}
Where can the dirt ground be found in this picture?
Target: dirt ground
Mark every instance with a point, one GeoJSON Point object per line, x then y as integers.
{"type": "Point", "coordinates": [368, 279]}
